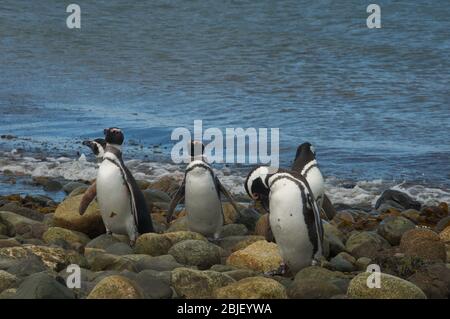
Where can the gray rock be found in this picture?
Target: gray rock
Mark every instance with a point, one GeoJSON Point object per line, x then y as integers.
{"type": "Point", "coordinates": [222, 268]}
{"type": "Point", "coordinates": [233, 230]}
{"type": "Point", "coordinates": [362, 263]}
{"type": "Point", "coordinates": [196, 253]}
{"type": "Point", "coordinates": [392, 228]}
{"type": "Point", "coordinates": [43, 286]}
{"type": "Point", "coordinates": [312, 289]}
{"type": "Point", "coordinates": [71, 186]}
{"type": "Point", "coordinates": [119, 249]}
{"type": "Point", "coordinates": [239, 274]}
{"type": "Point", "coordinates": [28, 266]}
{"type": "Point", "coordinates": [102, 242]}
{"type": "Point", "coordinates": [153, 286]}
{"type": "Point", "coordinates": [155, 196]}
{"type": "Point", "coordinates": [315, 273]}
{"type": "Point", "coordinates": [249, 217]}
{"type": "Point", "coordinates": [79, 190]}
{"type": "Point", "coordinates": [159, 263]}
{"type": "Point", "coordinates": [179, 224]}
{"type": "Point", "coordinates": [401, 199]}
{"type": "Point", "coordinates": [7, 280]}
{"type": "Point", "coordinates": [343, 262]}
{"type": "Point", "coordinates": [365, 244]}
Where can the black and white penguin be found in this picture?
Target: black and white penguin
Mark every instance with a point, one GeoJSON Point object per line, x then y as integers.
{"type": "Point", "coordinates": [121, 202]}
{"type": "Point", "coordinates": [294, 214]}
{"type": "Point", "coordinates": [201, 191]}
{"type": "Point", "coordinates": [97, 147]}
{"type": "Point", "coordinates": [305, 163]}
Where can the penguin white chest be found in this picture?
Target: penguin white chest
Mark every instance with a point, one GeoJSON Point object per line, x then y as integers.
{"type": "Point", "coordinates": [203, 205]}
{"type": "Point", "coordinates": [113, 198]}
{"type": "Point", "coordinates": [288, 224]}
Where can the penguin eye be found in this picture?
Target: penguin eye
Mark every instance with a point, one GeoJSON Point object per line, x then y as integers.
{"type": "Point", "coordinates": [255, 195]}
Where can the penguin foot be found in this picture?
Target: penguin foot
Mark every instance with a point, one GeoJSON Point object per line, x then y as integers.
{"type": "Point", "coordinates": [132, 243]}
{"type": "Point", "coordinates": [277, 272]}
{"type": "Point", "coordinates": [108, 232]}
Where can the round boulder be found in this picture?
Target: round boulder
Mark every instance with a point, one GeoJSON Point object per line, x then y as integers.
{"type": "Point", "coordinates": [196, 253]}
{"type": "Point", "coordinates": [423, 243]}
{"type": "Point", "coordinates": [253, 288]}
{"type": "Point", "coordinates": [115, 287]}
{"type": "Point", "coordinates": [392, 228]}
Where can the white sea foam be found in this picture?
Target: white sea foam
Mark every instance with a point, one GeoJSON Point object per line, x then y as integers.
{"type": "Point", "coordinates": [362, 193]}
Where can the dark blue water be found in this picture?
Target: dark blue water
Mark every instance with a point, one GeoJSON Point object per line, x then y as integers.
{"type": "Point", "coordinates": [375, 103]}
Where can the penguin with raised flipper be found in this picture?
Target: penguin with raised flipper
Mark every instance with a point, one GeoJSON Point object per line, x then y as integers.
{"type": "Point", "coordinates": [122, 204]}
{"type": "Point", "coordinates": [201, 191]}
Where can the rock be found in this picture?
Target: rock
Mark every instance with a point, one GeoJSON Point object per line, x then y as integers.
{"type": "Point", "coordinates": [180, 224]}
{"type": "Point", "coordinates": [442, 224]}
{"type": "Point", "coordinates": [260, 256]}
{"type": "Point", "coordinates": [7, 280]}
{"type": "Point", "coordinates": [49, 184]}
{"type": "Point", "coordinates": [332, 231]}
{"type": "Point", "coordinates": [56, 233]}
{"type": "Point", "coordinates": [253, 288]}
{"type": "Point", "coordinates": [143, 184]}
{"type": "Point", "coordinates": [22, 211]}
{"type": "Point", "coordinates": [16, 223]}
{"type": "Point", "coordinates": [8, 293]}
{"type": "Point", "coordinates": [153, 286]}
{"type": "Point", "coordinates": [343, 262]}
{"type": "Point", "coordinates": [155, 196]}
{"type": "Point", "coordinates": [176, 237]}
{"type": "Point", "coordinates": [262, 228]}
{"type": "Point", "coordinates": [402, 199]}
{"type": "Point", "coordinates": [67, 216]}
{"type": "Point", "coordinates": [248, 217]}
{"type": "Point", "coordinates": [28, 266]}
{"type": "Point", "coordinates": [102, 242]}
{"type": "Point", "coordinates": [234, 243]}
{"type": "Point", "coordinates": [52, 257]}
{"type": "Point", "coordinates": [238, 274]}
{"type": "Point", "coordinates": [229, 213]}
{"type": "Point", "coordinates": [79, 191]}
{"type": "Point", "coordinates": [365, 244]}
{"type": "Point", "coordinates": [43, 286]}
{"type": "Point", "coordinates": [167, 184]}
{"type": "Point", "coordinates": [423, 243]}
{"type": "Point", "coordinates": [196, 284]}
{"type": "Point", "coordinates": [103, 261]}
{"type": "Point", "coordinates": [10, 242]}
{"type": "Point", "coordinates": [391, 288]}
{"type": "Point", "coordinates": [71, 186]}
{"type": "Point", "coordinates": [445, 235]}
{"type": "Point", "coordinates": [335, 244]}
{"type": "Point", "coordinates": [115, 287]}
{"type": "Point", "coordinates": [319, 274]}
{"type": "Point", "coordinates": [412, 214]}
{"type": "Point", "coordinates": [233, 230]}
{"type": "Point", "coordinates": [196, 253]}
{"type": "Point", "coordinates": [434, 214]}
{"type": "Point", "coordinates": [433, 279]}
{"type": "Point", "coordinates": [392, 228]}
{"type": "Point", "coordinates": [362, 263]}
{"type": "Point", "coordinates": [119, 249]}
{"type": "Point", "coordinates": [312, 289]}
{"type": "Point", "coordinates": [3, 229]}
{"type": "Point", "coordinates": [152, 244]}
{"type": "Point", "coordinates": [159, 263]}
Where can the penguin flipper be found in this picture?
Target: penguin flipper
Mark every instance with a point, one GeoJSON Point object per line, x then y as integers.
{"type": "Point", "coordinates": [328, 207]}
{"type": "Point", "coordinates": [179, 195]}
{"type": "Point", "coordinates": [227, 194]}
{"type": "Point", "coordinates": [88, 197]}
{"type": "Point", "coordinates": [317, 220]}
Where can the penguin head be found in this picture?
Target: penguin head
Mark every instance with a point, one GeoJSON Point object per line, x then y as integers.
{"type": "Point", "coordinates": [97, 146]}
{"type": "Point", "coordinates": [113, 135]}
{"type": "Point", "coordinates": [256, 185]}
{"type": "Point", "coordinates": [306, 151]}
{"type": "Point", "coordinates": [196, 150]}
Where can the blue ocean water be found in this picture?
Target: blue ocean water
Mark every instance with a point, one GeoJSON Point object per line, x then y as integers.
{"type": "Point", "coordinates": [374, 102]}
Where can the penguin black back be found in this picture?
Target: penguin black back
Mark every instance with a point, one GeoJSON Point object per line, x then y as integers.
{"type": "Point", "coordinates": [305, 154]}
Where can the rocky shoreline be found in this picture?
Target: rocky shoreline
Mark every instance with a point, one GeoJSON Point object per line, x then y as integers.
{"type": "Point", "coordinates": [40, 239]}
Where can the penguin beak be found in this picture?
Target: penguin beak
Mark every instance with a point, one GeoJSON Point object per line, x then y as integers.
{"type": "Point", "coordinates": [87, 143]}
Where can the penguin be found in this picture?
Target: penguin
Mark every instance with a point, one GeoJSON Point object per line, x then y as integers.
{"type": "Point", "coordinates": [121, 202]}
{"type": "Point", "coordinates": [305, 163]}
{"type": "Point", "coordinates": [201, 190]}
{"type": "Point", "coordinates": [97, 146]}
{"type": "Point", "coordinates": [294, 215]}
